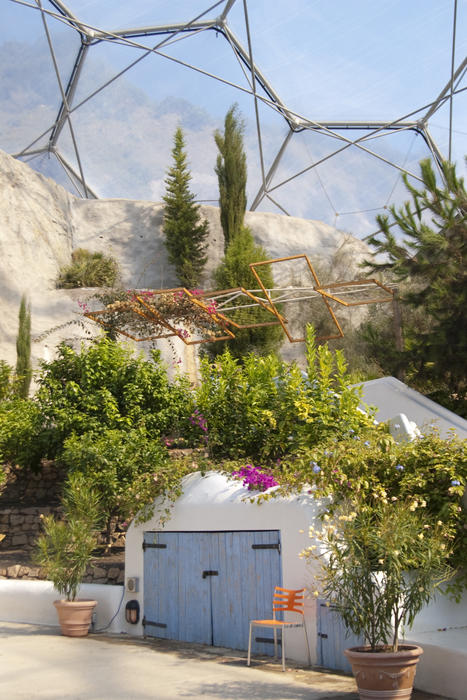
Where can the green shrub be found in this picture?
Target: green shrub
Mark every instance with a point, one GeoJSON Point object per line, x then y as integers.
{"type": "Point", "coordinates": [22, 441]}
{"type": "Point", "coordinates": [6, 381]}
{"type": "Point", "coordinates": [66, 546]}
{"type": "Point", "coordinates": [263, 408]}
{"type": "Point", "coordinates": [429, 474]}
{"type": "Point", "coordinates": [234, 271]}
{"type": "Point", "coordinates": [379, 566]}
{"type": "Point", "coordinates": [127, 469]}
{"type": "Point", "coordinates": [89, 270]}
{"type": "Point", "coordinates": [106, 386]}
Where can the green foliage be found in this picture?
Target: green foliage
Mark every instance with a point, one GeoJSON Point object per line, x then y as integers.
{"type": "Point", "coordinates": [89, 270]}
{"type": "Point", "coordinates": [23, 350]}
{"type": "Point", "coordinates": [127, 469]}
{"type": "Point", "coordinates": [329, 406]}
{"type": "Point", "coordinates": [231, 174]}
{"type": "Point", "coordinates": [6, 381]}
{"type": "Point", "coordinates": [380, 565]}
{"type": "Point", "coordinates": [185, 234]}
{"type": "Point", "coordinates": [432, 257]}
{"type": "Point", "coordinates": [106, 386]}
{"type": "Point", "coordinates": [428, 474]}
{"type": "Point", "coordinates": [263, 408]}
{"type": "Point", "coordinates": [66, 546]}
{"type": "Point", "coordinates": [234, 271]}
{"type": "Point", "coordinates": [248, 406]}
{"type": "Point", "coordinates": [22, 441]}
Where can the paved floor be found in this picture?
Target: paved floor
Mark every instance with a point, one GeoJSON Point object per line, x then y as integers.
{"type": "Point", "coordinates": [38, 663]}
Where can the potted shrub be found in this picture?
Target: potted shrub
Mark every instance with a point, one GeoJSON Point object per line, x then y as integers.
{"type": "Point", "coordinates": [64, 550]}
{"type": "Point", "coordinates": [380, 564]}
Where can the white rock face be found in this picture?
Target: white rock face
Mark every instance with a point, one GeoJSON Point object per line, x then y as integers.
{"type": "Point", "coordinates": [41, 223]}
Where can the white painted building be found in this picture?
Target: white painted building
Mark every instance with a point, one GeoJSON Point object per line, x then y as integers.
{"type": "Point", "coordinates": [392, 397]}
{"type": "Point", "coordinates": [218, 504]}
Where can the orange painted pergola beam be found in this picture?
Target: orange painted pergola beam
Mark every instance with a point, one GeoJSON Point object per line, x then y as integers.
{"type": "Point", "coordinates": [142, 308]}
{"type": "Point", "coordinates": [253, 266]}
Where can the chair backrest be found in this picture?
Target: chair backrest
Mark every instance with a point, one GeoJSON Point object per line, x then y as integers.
{"type": "Point", "coordinates": [286, 599]}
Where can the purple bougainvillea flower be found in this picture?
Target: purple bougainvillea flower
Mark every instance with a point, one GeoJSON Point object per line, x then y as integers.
{"type": "Point", "coordinates": [254, 479]}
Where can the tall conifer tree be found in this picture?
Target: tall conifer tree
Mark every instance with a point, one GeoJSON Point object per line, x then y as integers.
{"type": "Point", "coordinates": [23, 349]}
{"type": "Point", "coordinates": [231, 173]}
{"type": "Point", "coordinates": [185, 233]}
{"type": "Point", "coordinates": [429, 255]}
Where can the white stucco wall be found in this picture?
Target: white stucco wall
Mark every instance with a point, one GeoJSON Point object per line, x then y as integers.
{"type": "Point", "coordinates": [391, 397]}
{"type": "Point", "coordinates": [32, 602]}
{"type": "Point", "coordinates": [215, 502]}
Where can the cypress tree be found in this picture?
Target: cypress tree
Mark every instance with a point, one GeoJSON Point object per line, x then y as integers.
{"type": "Point", "coordinates": [234, 271]}
{"type": "Point", "coordinates": [23, 350]}
{"type": "Point", "coordinates": [185, 234]}
{"type": "Point", "coordinates": [231, 174]}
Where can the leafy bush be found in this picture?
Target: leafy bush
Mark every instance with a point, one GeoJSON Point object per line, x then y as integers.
{"type": "Point", "coordinates": [248, 406]}
{"type": "Point", "coordinates": [89, 270]}
{"type": "Point", "coordinates": [6, 380]}
{"type": "Point", "coordinates": [22, 441]}
{"type": "Point", "coordinates": [106, 387]}
{"type": "Point", "coordinates": [116, 464]}
{"type": "Point", "coordinates": [428, 474]}
{"type": "Point", "coordinates": [380, 565]}
{"type": "Point", "coordinates": [234, 271]}
{"type": "Point", "coordinates": [127, 469]}
{"type": "Point", "coordinates": [263, 408]}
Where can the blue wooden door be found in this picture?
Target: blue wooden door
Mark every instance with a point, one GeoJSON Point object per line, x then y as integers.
{"type": "Point", "coordinates": [333, 638]}
{"type": "Point", "coordinates": [206, 586]}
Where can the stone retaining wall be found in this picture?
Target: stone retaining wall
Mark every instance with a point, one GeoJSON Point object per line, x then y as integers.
{"type": "Point", "coordinates": [24, 498]}
{"type": "Point", "coordinates": [21, 527]}
{"type": "Point", "coordinates": [24, 487]}
{"type": "Point", "coordinates": [112, 573]}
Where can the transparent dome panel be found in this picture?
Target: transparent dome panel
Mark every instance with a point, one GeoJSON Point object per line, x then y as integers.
{"type": "Point", "coordinates": [30, 94]}
{"type": "Point", "coordinates": [350, 188]}
{"type": "Point", "coordinates": [316, 67]}
{"type": "Point", "coordinates": [350, 62]}
{"type": "Point", "coordinates": [112, 14]}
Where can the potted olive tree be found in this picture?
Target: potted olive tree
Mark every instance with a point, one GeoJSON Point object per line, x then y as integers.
{"type": "Point", "coordinates": [381, 563]}
{"type": "Point", "coordinates": [64, 550]}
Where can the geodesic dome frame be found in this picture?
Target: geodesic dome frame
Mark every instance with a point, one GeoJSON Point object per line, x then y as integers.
{"type": "Point", "coordinates": [215, 18]}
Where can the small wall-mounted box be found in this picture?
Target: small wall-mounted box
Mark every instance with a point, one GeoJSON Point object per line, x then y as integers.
{"type": "Point", "coordinates": [132, 584]}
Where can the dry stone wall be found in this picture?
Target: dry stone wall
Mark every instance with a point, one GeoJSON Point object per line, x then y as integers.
{"type": "Point", "coordinates": [25, 498]}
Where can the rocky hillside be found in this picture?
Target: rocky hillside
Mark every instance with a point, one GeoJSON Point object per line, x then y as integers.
{"type": "Point", "coordinates": [41, 224]}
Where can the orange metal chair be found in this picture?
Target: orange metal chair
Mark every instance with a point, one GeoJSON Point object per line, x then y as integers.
{"type": "Point", "coordinates": [285, 600]}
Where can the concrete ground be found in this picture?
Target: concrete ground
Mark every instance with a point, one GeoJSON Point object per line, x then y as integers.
{"type": "Point", "coordinates": [36, 663]}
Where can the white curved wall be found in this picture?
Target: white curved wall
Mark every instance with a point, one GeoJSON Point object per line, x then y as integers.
{"type": "Point", "coordinates": [32, 602]}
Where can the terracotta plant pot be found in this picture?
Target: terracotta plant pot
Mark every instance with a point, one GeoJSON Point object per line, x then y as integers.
{"type": "Point", "coordinates": [75, 616]}
{"type": "Point", "coordinates": [389, 675]}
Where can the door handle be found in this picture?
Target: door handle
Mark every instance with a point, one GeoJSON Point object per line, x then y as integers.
{"type": "Point", "coordinates": [210, 573]}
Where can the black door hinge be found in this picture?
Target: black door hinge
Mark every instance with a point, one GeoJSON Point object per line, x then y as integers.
{"type": "Point", "coordinates": [150, 623]}
{"type": "Point", "coordinates": [148, 545]}
{"type": "Point", "coordinates": [276, 545]}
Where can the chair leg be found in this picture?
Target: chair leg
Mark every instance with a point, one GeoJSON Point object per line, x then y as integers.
{"type": "Point", "coordinates": [275, 643]}
{"type": "Point", "coordinates": [283, 648]}
{"type": "Point", "coordinates": [249, 646]}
